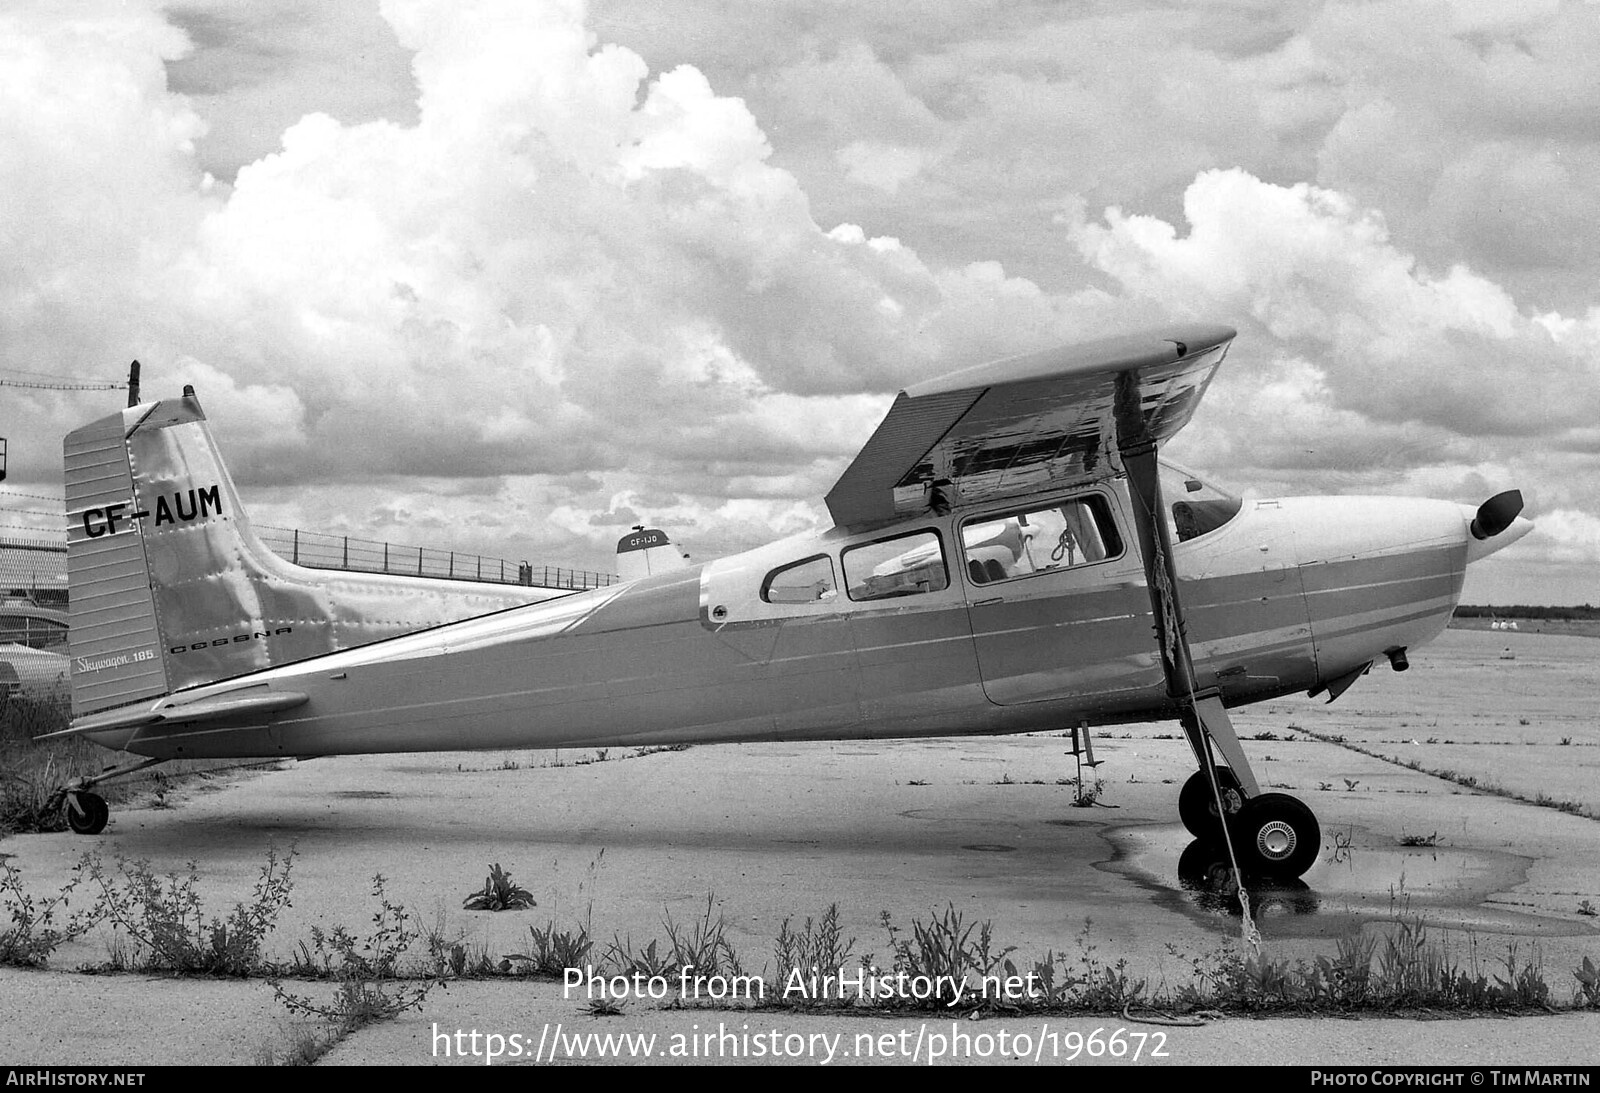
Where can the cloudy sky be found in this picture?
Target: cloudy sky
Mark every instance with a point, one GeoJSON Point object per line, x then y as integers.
{"type": "Point", "coordinates": [511, 276]}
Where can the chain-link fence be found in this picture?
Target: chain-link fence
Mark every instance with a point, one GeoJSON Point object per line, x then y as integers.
{"type": "Point", "coordinates": [36, 570]}
{"type": "Point", "coordinates": [33, 597]}
{"type": "Point", "coordinates": [316, 550]}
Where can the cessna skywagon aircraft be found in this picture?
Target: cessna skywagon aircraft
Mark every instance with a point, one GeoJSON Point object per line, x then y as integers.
{"type": "Point", "coordinates": [1008, 555]}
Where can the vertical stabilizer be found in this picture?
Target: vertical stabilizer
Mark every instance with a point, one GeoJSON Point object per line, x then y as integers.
{"type": "Point", "coordinates": [170, 588]}
{"type": "Point", "coordinates": [645, 551]}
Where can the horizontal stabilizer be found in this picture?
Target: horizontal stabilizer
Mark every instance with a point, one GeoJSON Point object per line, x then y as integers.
{"type": "Point", "coordinates": [256, 702]}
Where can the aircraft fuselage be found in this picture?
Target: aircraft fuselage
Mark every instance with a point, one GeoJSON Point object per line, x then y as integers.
{"type": "Point", "coordinates": [905, 636]}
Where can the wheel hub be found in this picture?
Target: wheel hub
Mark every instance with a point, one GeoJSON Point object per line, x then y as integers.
{"type": "Point", "coordinates": [1276, 840]}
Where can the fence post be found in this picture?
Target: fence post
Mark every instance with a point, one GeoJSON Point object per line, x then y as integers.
{"type": "Point", "coordinates": [347, 552]}
{"type": "Point", "coordinates": [386, 557]}
{"type": "Point", "coordinates": [419, 561]}
{"type": "Point", "coordinates": [452, 563]}
{"type": "Point", "coordinates": [296, 558]}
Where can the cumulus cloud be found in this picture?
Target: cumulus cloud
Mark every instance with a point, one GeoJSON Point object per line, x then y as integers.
{"type": "Point", "coordinates": [1572, 535]}
{"type": "Point", "coordinates": [563, 266]}
{"type": "Point", "coordinates": [572, 284]}
{"type": "Point", "coordinates": [1321, 277]}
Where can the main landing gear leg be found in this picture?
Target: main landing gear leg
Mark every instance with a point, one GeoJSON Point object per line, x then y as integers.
{"type": "Point", "coordinates": [1275, 834]}
{"type": "Point", "coordinates": [1206, 723]}
{"type": "Point", "coordinates": [1269, 832]}
{"type": "Point", "coordinates": [87, 813]}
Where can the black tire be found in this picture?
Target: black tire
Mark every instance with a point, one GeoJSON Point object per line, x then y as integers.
{"type": "Point", "coordinates": [1197, 808]}
{"type": "Point", "coordinates": [87, 813]}
{"type": "Point", "coordinates": [1276, 835]}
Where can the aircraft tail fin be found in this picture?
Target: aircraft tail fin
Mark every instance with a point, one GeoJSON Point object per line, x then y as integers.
{"type": "Point", "coordinates": [645, 551]}
{"type": "Point", "coordinates": [170, 588]}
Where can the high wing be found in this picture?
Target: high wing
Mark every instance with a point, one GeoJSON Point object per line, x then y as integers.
{"type": "Point", "coordinates": [1015, 426]}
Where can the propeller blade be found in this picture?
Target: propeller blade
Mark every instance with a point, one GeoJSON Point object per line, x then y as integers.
{"type": "Point", "coordinates": [1496, 514]}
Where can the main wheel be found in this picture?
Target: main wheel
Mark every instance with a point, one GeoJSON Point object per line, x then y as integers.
{"type": "Point", "coordinates": [87, 813]}
{"type": "Point", "coordinates": [1203, 868]}
{"type": "Point", "coordinates": [1277, 835]}
{"type": "Point", "coordinates": [1197, 807]}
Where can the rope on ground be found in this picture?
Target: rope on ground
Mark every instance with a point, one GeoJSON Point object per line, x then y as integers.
{"type": "Point", "coordinates": [1163, 1019]}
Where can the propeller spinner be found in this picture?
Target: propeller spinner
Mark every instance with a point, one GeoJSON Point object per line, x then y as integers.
{"type": "Point", "coordinates": [1496, 514]}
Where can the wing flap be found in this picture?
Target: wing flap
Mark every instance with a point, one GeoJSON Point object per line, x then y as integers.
{"type": "Point", "coordinates": [1020, 425]}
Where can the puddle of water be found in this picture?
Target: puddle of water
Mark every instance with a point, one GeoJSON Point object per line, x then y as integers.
{"type": "Point", "coordinates": [1356, 879]}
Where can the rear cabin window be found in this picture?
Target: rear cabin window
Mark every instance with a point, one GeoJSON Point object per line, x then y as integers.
{"type": "Point", "coordinates": [808, 581]}
{"type": "Point", "coordinates": [906, 565]}
{"type": "Point", "coordinates": [1076, 532]}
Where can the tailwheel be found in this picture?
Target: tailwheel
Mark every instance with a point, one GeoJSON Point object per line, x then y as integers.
{"type": "Point", "coordinates": [86, 813]}
{"type": "Point", "coordinates": [1276, 835]}
{"type": "Point", "coordinates": [1197, 807]}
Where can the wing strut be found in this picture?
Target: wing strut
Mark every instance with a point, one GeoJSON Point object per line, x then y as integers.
{"type": "Point", "coordinates": [1203, 716]}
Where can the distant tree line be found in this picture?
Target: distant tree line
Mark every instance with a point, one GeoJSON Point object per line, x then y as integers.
{"type": "Point", "coordinates": [1527, 611]}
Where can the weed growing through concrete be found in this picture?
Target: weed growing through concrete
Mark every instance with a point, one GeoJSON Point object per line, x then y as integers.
{"type": "Point", "coordinates": [163, 916]}
{"type": "Point", "coordinates": [500, 893]}
{"type": "Point", "coordinates": [819, 945]}
{"type": "Point", "coordinates": [1468, 781]}
{"type": "Point", "coordinates": [31, 770]}
{"type": "Point", "coordinates": [160, 925]}
{"type": "Point", "coordinates": [367, 971]}
{"type": "Point", "coordinates": [702, 944]}
{"type": "Point", "coordinates": [942, 950]}
{"type": "Point", "coordinates": [38, 926]}
{"type": "Point", "coordinates": [1087, 796]}
{"type": "Point", "coordinates": [553, 951]}
{"type": "Point", "coordinates": [698, 949]}
{"type": "Point", "coordinates": [1588, 977]}
{"type": "Point", "coordinates": [452, 957]}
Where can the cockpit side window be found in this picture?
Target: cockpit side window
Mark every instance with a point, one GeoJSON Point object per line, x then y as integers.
{"type": "Point", "coordinates": [807, 581]}
{"type": "Point", "coordinates": [1062, 535]}
{"type": "Point", "coordinates": [906, 565]}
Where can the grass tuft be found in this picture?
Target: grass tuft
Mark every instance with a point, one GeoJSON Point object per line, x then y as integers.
{"type": "Point", "coordinates": [553, 951]}
{"type": "Point", "coordinates": [500, 893]}
{"type": "Point", "coordinates": [819, 944]}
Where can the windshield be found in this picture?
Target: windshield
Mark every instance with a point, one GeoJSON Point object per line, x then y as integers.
{"type": "Point", "coordinates": [1194, 506]}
